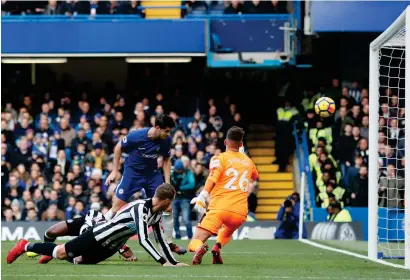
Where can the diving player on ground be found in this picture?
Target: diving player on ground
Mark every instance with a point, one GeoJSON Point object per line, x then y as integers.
{"type": "Point", "coordinates": [140, 169]}
{"type": "Point", "coordinates": [105, 238]}
{"type": "Point", "coordinates": [226, 189]}
{"type": "Point", "coordinates": [76, 227]}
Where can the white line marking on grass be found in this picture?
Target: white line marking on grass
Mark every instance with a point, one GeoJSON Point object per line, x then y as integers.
{"type": "Point", "coordinates": [260, 253]}
{"type": "Point", "coordinates": [193, 276]}
{"type": "Point", "coordinates": [314, 244]}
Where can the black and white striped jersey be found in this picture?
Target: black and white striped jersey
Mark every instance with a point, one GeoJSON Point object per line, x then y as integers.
{"type": "Point", "coordinates": [134, 218]}
{"type": "Point", "coordinates": [91, 219]}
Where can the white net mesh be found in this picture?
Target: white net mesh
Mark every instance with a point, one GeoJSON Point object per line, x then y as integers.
{"type": "Point", "coordinates": [391, 146]}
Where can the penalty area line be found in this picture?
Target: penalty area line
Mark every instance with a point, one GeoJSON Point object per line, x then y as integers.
{"type": "Point", "coordinates": [318, 245]}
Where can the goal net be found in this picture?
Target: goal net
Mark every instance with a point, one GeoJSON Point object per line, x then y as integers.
{"type": "Point", "coordinates": [389, 193]}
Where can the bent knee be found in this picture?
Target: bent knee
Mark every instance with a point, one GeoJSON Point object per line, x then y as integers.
{"type": "Point", "coordinates": [52, 232]}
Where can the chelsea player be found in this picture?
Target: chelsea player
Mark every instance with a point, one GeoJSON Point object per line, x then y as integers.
{"type": "Point", "coordinates": [141, 168]}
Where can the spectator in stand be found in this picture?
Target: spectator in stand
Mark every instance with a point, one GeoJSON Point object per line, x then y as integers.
{"type": "Point", "coordinates": [355, 114]}
{"type": "Point", "coordinates": [340, 121]}
{"type": "Point", "coordinates": [233, 7]}
{"type": "Point", "coordinates": [391, 189]}
{"type": "Point", "coordinates": [22, 127]}
{"type": "Point", "coordinates": [51, 8]}
{"type": "Point", "coordinates": [98, 156]}
{"type": "Point", "coordinates": [354, 92]}
{"type": "Point", "coordinates": [31, 215]}
{"type": "Point", "coordinates": [67, 133]}
{"type": "Point", "coordinates": [346, 147]}
{"type": "Point", "coordinates": [389, 156]}
{"type": "Point", "coordinates": [334, 91]}
{"type": "Point", "coordinates": [285, 115]}
{"type": "Point", "coordinates": [385, 113]}
{"type": "Point", "coordinates": [394, 132]}
{"type": "Point", "coordinates": [72, 8]}
{"type": "Point", "coordinates": [8, 215]}
{"type": "Point", "coordinates": [346, 100]}
{"type": "Point", "coordinates": [15, 184]}
{"type": "Point", "coordinates": [364, 128]}
{"type": "Point", "coordinates": [52, 214]}
{"type": "Point", "coordinates": [183, 180]}
{"type": "Point", "coordinates": [359, 188]}
{"type": "Point", "coordinates": [79, 210]}
{"type": "Point", "coordinates": [254, 7]}
{"type": "Point", "coordinates": [363, 150]}
{"type": "Point", "coordinates": [337, 214]}
{"type": "Point", "coordinates": [16, 208]}
{"type": "Point", "coordinates": [309, 99]}
{"type": "Point", "coordinates": [331, 189]}
{"type": "Point", "coordinates": [352, 172]}
{"type": "Point", "coordinates": [276, 7]}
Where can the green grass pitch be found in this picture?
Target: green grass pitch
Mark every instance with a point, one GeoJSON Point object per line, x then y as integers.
{"type": "Point", "coordinates": [245, 259]}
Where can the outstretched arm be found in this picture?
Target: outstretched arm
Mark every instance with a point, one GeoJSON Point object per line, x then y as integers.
{"type": "Point", "coordinates": [159, 235]}
{"type": "Point", "coordinates": [140, 217]}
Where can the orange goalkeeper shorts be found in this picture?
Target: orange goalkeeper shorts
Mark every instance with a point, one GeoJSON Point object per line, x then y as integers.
{"type": "Point", "coordinates": [213, 220]}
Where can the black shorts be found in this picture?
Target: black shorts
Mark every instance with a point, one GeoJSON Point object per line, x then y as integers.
{"type": "Point", "coordinates": [86, 246]}
{"type": "Point", "coordinates": [74, 226]}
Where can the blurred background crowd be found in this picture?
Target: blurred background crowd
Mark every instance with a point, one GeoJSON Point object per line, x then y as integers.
{"type": "Point", "coordinates": [339, 146]}
{"type": "Point", "coordinates": [72, 8]}
{"type": "Point", "coordinates": [57, 152]}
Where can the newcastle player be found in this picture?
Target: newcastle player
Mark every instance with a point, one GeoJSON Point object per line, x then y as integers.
{"type": "Point", "coordinates": [105, 238]}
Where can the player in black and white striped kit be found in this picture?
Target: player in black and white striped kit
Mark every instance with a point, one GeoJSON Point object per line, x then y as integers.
{"type": "Point", "coordinates": [104, 238]}
{"type": "Point", "coordinates": [76, 227]}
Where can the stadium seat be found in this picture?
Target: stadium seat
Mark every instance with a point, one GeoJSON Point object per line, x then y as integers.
{"type": "Point", "coordinates": [217, 46]}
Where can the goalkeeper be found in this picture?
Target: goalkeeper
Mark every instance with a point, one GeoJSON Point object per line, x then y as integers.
{"type": "Point", "coordinates": [226, 189]}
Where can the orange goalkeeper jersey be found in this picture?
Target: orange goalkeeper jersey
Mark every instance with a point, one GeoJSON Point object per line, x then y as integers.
{"type": "Point", "coordinates": [231, 172]}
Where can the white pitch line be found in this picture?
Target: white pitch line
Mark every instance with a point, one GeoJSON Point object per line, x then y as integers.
{"type": "Point", "coordinates": [194, 276]}
{"type": "Point", "coordinates": [314, 244]}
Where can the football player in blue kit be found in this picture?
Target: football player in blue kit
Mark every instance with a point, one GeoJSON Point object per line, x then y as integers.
{"type": "Point", "coordinates": [143, 147]}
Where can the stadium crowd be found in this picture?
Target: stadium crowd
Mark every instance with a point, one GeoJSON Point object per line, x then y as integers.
{"type": "Point", "coordinates": [95, 7]}
{"type": "Point", "coordinates": [57, 151]}
{"type": "Point", "coordinates": [339, 147]}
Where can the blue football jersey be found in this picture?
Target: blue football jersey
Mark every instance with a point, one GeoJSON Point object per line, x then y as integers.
{"type": "Point", "coordinates": [143, 151]}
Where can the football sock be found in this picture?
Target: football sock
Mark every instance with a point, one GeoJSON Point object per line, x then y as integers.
{"type": "Point", "coordinates": [41, 248]}
{"type": "Point", "coordinates": [168, 226]}
{"type": "Point", "coordinates": [223, 236]}
{"type": "Point", "coordinates": [194, 245]}
{"type": "Point", "coordinates": [218, 244]}
{"type": "Point", "coordinates": [108, 216]}
{"type": "Point", "coordinates": [55, 252]}
{"type": "Point", "coordinates": [48, 239]}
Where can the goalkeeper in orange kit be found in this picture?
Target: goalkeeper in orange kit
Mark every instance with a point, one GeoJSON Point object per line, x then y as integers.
{"type": "Point", "coordinates": [226, 189]}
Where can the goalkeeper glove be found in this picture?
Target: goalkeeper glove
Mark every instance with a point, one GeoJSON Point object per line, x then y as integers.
{"type": "Point", "coordinates": [201, 202]}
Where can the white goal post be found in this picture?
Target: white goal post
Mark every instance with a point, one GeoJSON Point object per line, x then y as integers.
{"type": "Point", "coordinates": [389, 191]}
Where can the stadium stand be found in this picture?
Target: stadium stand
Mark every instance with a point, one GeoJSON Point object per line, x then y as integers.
{"type": "Point", "coordinates": [55, 160]}
{"type": "Point", "coordinates": [339, 145]}
{"type": "Point", "coordinates": [147, 9]}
